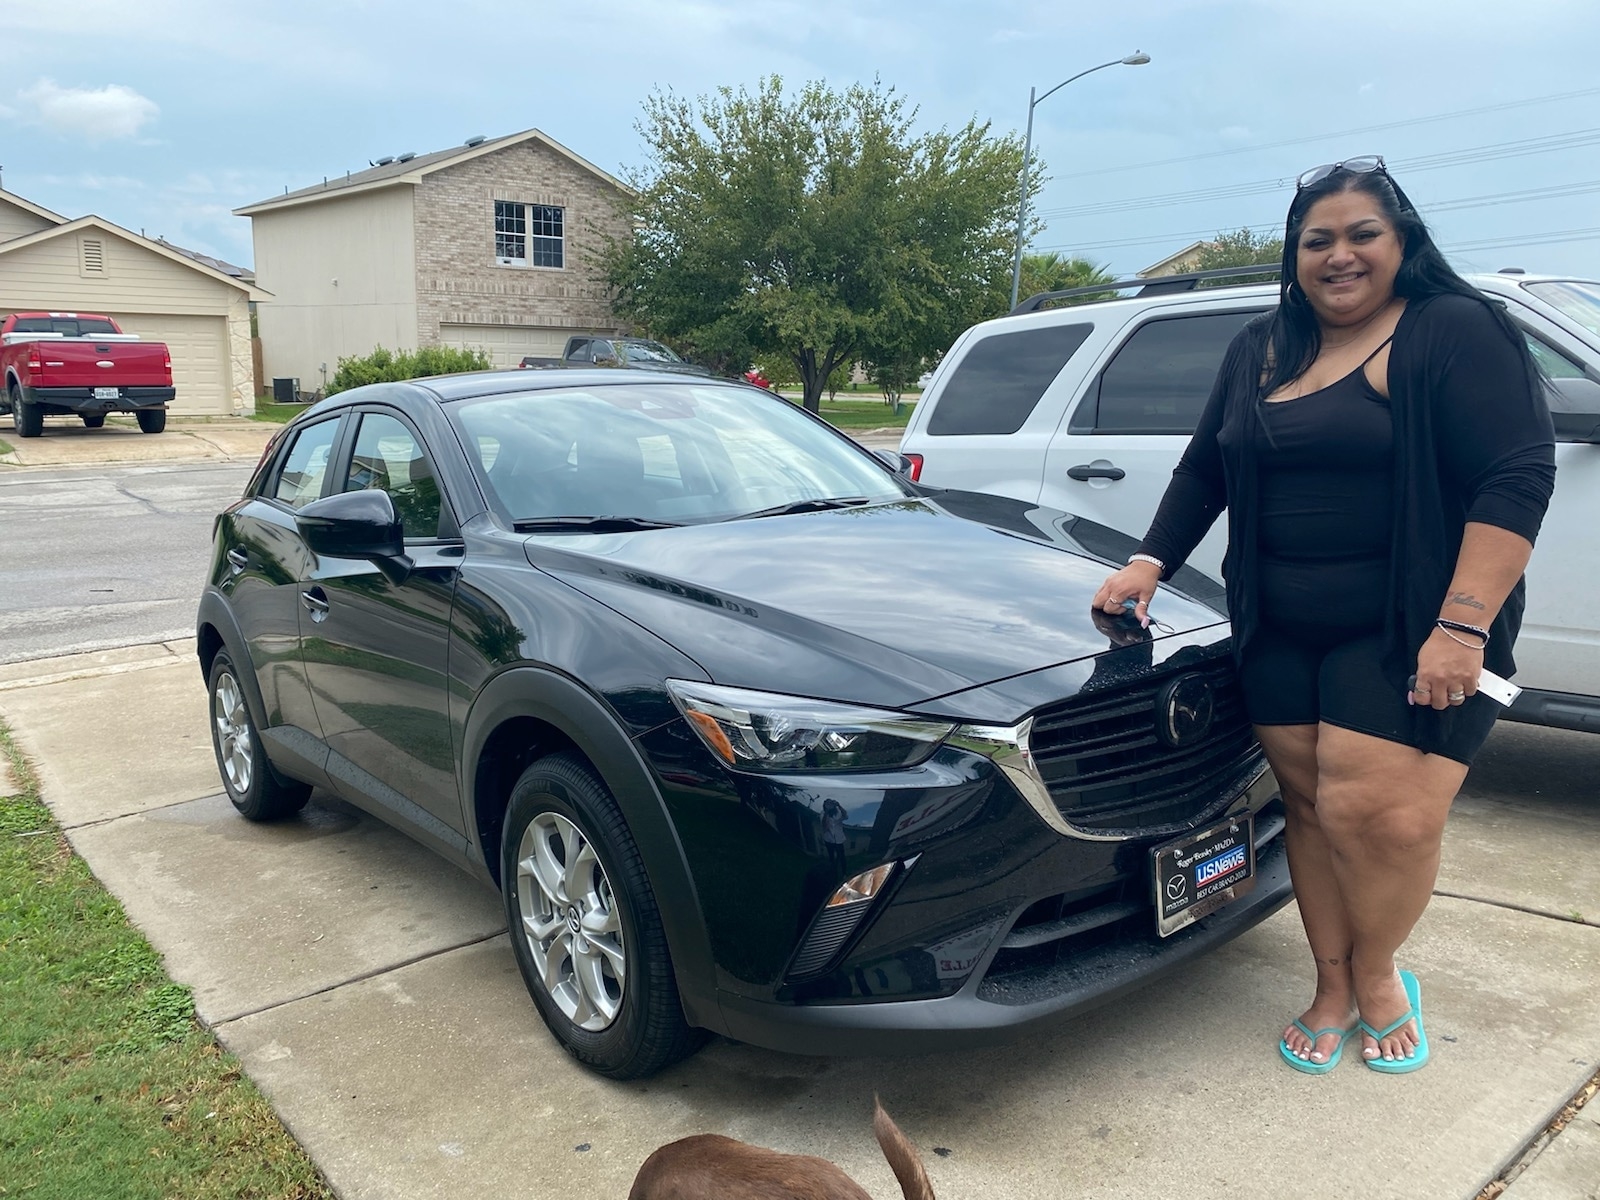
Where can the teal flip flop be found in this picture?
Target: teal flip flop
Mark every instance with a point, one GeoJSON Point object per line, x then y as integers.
{"type": "Point", "coordinates": [1419, 1057]}
{"type": "Point", "coordinates": [1305, 1065]}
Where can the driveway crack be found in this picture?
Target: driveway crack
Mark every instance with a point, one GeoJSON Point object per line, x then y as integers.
{"type": "Point", "coordinates": [1568, 918]}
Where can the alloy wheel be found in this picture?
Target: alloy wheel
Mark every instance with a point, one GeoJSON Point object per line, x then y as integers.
{"type": "Point", "coordinates": [232, 720]}
{"type": "Point", "coordinates": [570, 920]}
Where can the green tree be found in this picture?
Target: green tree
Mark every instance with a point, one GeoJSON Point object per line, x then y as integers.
{"type": "Point", "coordinates": [815, 226]}
{"type": "Point", "coordinates": [1242, 248]}
{"type": "Point", "coordinates": [1050, 272]}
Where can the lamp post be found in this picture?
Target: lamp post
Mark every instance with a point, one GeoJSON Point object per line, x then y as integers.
{"type": "Point", "coordinates": [1136, 59]}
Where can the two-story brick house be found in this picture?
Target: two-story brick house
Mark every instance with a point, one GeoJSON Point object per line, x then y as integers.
{"type": "Point", "coordinates": [484, 245]}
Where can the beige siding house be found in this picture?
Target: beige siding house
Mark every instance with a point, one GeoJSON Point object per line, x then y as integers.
{"type": "Point", "coordinates": [92, 265]}
{"type": "Point", "coordinates": [484, 245]}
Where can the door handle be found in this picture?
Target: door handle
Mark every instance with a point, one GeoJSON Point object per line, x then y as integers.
{"type": "Point", "coordinates": [1085, 471]}
{"type": "Point", "coordinates": [315, 601]}
{"type": "Point", "coordinates": [238, 559]}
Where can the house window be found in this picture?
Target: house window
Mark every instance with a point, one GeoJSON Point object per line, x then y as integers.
{"type": "Point", "coordinates": [529, 235]}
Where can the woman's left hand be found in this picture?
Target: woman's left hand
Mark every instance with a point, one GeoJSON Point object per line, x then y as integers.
{"type": "Point", "coordinates": [1447, 672]}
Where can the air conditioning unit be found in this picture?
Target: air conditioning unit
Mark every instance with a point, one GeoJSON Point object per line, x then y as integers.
{"type": "Point", "coordinates": [285, 391]}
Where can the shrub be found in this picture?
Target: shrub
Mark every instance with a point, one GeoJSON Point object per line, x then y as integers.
{"type": "Point", "coordinates": [389, 366]}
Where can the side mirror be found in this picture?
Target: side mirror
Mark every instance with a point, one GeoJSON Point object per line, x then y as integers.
{"type": "Point", "coordinates": [1577, 427]}
{"type": "Point", "coordinates": [895, 461]}
{"type": "Point", "coordinates": [356, 525]}
{"type": "Point", "coordinates": [1575, 409]}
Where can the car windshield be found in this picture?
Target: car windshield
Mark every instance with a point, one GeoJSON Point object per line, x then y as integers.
{"type": "Point", "coordinates": [1580, 301]}
{"type": "Point", "coordinates": [677, 453]}
{"type": "Point", "coordinates": [648, 352]}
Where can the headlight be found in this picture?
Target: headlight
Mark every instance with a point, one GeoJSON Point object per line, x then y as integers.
{"type": "Point", "coordinates": [761, 731]}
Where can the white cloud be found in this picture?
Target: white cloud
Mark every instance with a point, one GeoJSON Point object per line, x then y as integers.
{"type": "Point", "coordinates": [113, 111]}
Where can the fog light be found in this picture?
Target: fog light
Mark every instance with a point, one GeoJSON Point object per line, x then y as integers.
{"type": "Point", "coordinates": [861, 887]}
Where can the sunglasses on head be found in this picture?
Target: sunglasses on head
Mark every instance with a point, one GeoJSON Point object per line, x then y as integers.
{"type": "Point", "coordinates": [1364, 165]}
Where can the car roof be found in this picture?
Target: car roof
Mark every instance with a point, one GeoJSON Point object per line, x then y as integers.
{"type": "Point", "coordinates": [470, 385]}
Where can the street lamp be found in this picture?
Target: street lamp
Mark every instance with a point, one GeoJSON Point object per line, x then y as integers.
{"type": "Point", "coordinates": [1136, 59]}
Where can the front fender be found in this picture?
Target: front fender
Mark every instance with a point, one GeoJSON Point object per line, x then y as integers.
{"type": "Point", "coordinates": [559, 702]}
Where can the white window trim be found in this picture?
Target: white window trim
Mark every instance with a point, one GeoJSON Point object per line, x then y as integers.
{"type": "Point", "coordinates": [525, 264]}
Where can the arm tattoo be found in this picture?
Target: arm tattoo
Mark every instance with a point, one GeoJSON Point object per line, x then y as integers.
{"type": "Point", "coordinates": [1465, 600]}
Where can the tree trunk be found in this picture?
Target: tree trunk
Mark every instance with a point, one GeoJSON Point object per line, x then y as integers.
{"type": "Point", "coordinates": [812, 381]}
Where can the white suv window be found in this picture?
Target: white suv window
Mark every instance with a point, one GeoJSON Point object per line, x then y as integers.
{"type": "Point", "coordinates": [1160, 378]}
{"type": "Point", "coordinates": [999, 381]}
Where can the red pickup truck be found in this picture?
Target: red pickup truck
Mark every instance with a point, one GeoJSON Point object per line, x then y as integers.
{"type": "Point", "coordinates": [80, 364]}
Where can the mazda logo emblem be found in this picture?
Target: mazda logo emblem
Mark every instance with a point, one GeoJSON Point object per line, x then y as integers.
{"type": "Point", "coordinates": [1184, 711]}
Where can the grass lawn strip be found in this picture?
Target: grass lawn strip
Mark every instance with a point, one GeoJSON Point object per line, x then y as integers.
{"type": "Point", "coordinates": [108, 1085]}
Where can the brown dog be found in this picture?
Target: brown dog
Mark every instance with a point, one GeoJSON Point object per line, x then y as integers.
{"type": "Point", "coordinates": [709, 1166]}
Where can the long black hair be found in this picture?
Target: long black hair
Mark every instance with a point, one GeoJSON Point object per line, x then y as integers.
{"type": "Point", "coordinates": [1295, 337]}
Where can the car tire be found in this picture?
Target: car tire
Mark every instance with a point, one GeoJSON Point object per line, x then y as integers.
{"type": "Point", "coordinates": [247, 776]}
{"type": "Point", "coordinates": [94, 422]}
{"type": "Point", "coordinates": [579, 907]}
{"type": "Point", "coordinates": [152, 420]}
{"type": "Point", "coordinates": [28, 419]}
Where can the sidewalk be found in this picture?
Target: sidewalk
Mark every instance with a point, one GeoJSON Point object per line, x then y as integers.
{"type": "Point", "coordinates": [368, 988]}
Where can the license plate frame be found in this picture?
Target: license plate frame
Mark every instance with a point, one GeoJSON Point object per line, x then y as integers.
{"type": "Point", "coordinates": [108, 393]}
{"type": "Point", "coordinates": [1193, 876]}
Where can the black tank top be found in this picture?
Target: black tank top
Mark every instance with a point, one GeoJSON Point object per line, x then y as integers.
{"type": "Point", "coordinates": [1325, 471]}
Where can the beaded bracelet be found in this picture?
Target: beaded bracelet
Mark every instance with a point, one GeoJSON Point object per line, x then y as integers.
{"type": "Point", "coordinates": [1451, 628]}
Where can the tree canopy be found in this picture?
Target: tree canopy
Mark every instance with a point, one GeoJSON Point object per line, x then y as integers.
{"type": "Point", "coordinates": [1242, 248]}
{"type": "Point", "coordinates": [1051, 272]}
{"type": "Point", "coordinates": [817, 226]}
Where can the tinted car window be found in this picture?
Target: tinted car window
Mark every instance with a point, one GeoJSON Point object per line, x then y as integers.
{"type": "Point", "coordinates": [300, 479]}
{"type": "Point", "coordinates": [999, 381]}
{"type": "Point", "coordinates": [66, 326]}
{"type": "Point", "coordinates": [1551, 361]}
{"type": "Point", "coordinates": [388, 457]}
{"type": "Point", "coordinates": [1159, 380]}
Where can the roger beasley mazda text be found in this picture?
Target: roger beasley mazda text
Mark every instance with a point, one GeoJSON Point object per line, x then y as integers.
{"type": "Point", "coordinates": [754, 735]}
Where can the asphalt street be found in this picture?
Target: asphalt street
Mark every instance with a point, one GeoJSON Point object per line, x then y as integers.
{"type": "Point", "coordinates": [106, 555]}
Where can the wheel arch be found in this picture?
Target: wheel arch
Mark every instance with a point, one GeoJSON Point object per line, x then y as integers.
{"type": "Point", "coordinates": [527, 713]}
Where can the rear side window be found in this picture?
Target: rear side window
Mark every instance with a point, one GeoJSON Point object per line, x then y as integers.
{"type": "Point", "coordinates": [999, 381]}
{"type": "Point", "coordinates": [305, 467]}
{"type": "Point", "coordinates": [1160, 379]}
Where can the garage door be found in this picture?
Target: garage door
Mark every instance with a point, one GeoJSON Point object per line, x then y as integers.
{"type": "Point", "coordinates": [506, 344]}
{"type": "Point", "coordinates": [199, 349]}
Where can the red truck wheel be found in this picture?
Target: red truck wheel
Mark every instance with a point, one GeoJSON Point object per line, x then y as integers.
{"type": "Point", "coordinates": [152, 420]}
{"type": "Point", "coordinates": [28, 418]}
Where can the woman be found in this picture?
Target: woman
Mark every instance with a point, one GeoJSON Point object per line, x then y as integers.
{"type": "Point", "coordinates": [1381, 444]}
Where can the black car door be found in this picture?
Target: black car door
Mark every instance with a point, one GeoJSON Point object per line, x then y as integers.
{"type": "Point", "coordinates": [265, 562]}
{"type": "Point", "coordinates": [376, 649]}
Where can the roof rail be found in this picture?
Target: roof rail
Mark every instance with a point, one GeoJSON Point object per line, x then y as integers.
{"type": "Point", "coordinates": [1155, 285]}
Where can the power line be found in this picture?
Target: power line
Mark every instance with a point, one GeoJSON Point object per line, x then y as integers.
{"type": "Point", "coordinates": [1556, 191]}
{"type": "Point", "coordinates": [1322, 137]}
{"type": "Point", "coordinates": [1553, 237]}
{"type": "Point", "coordinates": [1428, 162]}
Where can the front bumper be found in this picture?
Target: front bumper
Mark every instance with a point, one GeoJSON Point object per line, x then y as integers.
{"type": "Point", "coordinates": [83, 400]}
{"type": "Point", "coordinates": [984, 1012]}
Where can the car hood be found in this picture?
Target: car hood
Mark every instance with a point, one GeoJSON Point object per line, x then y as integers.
{"type": "Point", "coordinates": [889, 604]}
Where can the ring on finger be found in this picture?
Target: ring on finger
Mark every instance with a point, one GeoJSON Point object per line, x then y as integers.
{"type": "Point", "coordinates": [1456, 697]}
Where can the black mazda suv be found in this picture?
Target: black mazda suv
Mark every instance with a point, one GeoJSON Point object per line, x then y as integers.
{"type": "Point", "coordinates": [753, 734]}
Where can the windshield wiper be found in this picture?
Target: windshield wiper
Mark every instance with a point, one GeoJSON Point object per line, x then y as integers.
{"type": "Point", "coordinates": [602, 524]}
{"type": "Point", "coordinates": [805, 506]}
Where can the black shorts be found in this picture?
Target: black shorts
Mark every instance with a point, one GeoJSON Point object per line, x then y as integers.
{"type": "Point", "coordinates": [1300, 678]}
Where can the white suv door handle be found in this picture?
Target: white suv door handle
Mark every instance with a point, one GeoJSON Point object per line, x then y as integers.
{"type": "Point", "coordinates": [1086, 471]}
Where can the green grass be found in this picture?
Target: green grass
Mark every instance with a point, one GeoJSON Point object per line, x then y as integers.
{"type": "Point", "coordinates": [863, 414]}
{"type": "Point", "coordinates": [6, 447]}
{"type": "Point", "coordinates": [108, 1085]}
{"type": "Point", "coordinates": [278, 414]}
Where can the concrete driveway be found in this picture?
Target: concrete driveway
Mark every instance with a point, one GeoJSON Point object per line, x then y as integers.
{"type": "Point", "coordinates": [368, 987]}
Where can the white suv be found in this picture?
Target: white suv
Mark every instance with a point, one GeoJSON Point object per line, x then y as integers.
{"type": "Point", "coordinates": [1087, 409]}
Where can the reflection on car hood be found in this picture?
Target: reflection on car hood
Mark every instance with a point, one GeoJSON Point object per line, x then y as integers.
{"type": "Point", "coordinates": [889, 604]}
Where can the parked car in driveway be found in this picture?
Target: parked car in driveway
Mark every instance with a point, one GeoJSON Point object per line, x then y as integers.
{"type": "Point", "coordinates": [82, 365]}
{"type": "Point", "coordinates": [615, 642]}
{"type": "Point", "coordinates": [588, 351]}
{"type": "Point", "coordinates": [1087, 408]}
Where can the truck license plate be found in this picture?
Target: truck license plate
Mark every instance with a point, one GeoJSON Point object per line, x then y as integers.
{"type": "Point", "coordinates": [1200, 872]}
{"type": "Point", "coordinates": [108, 393]}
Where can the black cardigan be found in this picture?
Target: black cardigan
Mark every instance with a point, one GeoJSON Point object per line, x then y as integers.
{"type": "Point", "coordinates": [1473, 442]}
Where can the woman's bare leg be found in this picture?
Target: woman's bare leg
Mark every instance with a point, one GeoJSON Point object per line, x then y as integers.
{"type": "Point", "coordinates": [1292, 751]}
{"type": "Point", "coordinates": [1382, 807]}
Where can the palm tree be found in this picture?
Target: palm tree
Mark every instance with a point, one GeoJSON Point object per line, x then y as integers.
{"type": "Point", "coordinates": [1052, 272]}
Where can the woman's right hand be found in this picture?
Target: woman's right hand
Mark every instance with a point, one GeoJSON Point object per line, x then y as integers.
{"type": "Point", "coordinates": [1138, 580]}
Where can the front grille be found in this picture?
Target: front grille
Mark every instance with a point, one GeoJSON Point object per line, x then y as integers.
{"type": "Point", "coordinates": [1109, 772]}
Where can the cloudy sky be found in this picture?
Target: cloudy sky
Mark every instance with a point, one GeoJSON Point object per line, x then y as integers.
{"type": "Point", "coordinates": [163, 115]}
